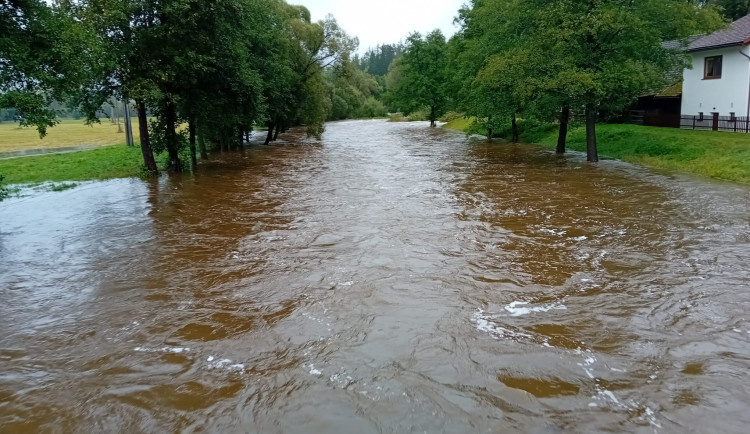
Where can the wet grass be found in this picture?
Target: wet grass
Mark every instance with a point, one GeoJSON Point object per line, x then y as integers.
{"type": "Point", "coordinates": [711, 154]}
{"type": "Point", "coordinates": [68, 133]}
{"type": "Point", "coordinates": [460, 124]}
{"type": "Point", "coordinates": [100, 163]}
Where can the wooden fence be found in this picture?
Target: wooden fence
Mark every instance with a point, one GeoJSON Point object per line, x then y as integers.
{"type": "Point", "coordinates": [712, 121]}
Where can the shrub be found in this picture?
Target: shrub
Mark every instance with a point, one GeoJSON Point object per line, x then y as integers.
{"type": "Point", "coordinates": [3, 191]}
{"type": "Point", "coordinates": [451, 116]}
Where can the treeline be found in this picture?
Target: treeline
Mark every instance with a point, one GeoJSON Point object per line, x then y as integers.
{"type": "Point", "coordinates": [546, 60]}
{"type": "Point", "coordinates": [221, 67]}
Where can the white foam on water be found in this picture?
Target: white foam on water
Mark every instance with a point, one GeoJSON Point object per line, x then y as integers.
{"type": "Point", "coordinates": [224, 364]}
{"type": "Point", "coordinates": [314, 371]}
{"type": "Point", "coordinates": [174, 350]}
{"type": "Point", "coordinates": [485, 324]}
{"type": "Point", "coordinates": [581, 238]}
{"type": "Point", "coordinates": [518, 308]}
{"type": "Point", "coordinates": [559, 233]}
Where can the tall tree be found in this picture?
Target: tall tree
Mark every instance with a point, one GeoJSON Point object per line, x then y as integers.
{"type": "Point", "coordinates": [46, 55]}
{"type": "Point", "coordinates": [733, 9]}
{"type": "Point", "coordinates": [421, 71]}
{"type": "Point", "coordinates": [587, 55]}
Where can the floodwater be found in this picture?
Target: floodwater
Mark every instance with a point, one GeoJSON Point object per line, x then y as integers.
{"type": "Point", "coordinates": [391, 278]}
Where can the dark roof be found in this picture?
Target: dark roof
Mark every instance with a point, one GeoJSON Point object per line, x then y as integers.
{"type": "Point", "coordinates": [738, 33]}
{"type": "Point", "coordinates": [680, 44]}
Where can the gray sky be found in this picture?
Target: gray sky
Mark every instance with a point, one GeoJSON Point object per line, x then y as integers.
{"type": "Point", "coordinates": [386, 21]}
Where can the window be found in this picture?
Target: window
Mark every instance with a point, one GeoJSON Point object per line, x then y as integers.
{"type": "Point", "coordinates": [712, 67]}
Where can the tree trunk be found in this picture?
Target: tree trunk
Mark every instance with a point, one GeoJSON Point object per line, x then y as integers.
{"type": "Point", "coordinates": [241, 137]}
{"type": "Point", "coordinates": [592, 154]}
{"type": "Point", "coordinates": [489, 128]}
{"type": "Point", "coordinates": [128, 125]}
{"type": "Point", "coordinates": [562, 136]}
{"type": "Point", "coordinates": [202, 148]}
{"type": "Point", "coordinates": [191, 131]}
{"type": "Point", "coordinates": [269, 136]}
{"type": "Point", "coordinates": [117, 117]}
{"type": "Point", "coordinates": [514, 129]}
{"type": "Point", "coordinates": [278, 130]}
{"type": "Point", "coordinates": [170, 116]}
{"type": "Point", "coordinates": [148, 153]}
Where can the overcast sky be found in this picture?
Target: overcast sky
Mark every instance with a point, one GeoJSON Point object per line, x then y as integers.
{"type": "Point", "coordinates": [386, 21]}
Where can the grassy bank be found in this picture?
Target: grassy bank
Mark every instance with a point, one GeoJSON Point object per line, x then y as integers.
{"type": "Point", "coordinates": [710, 154]}
{"type": "Point", "coordinates": [100, 163]}
{"type": "Point", "coordinates": [67, 133]}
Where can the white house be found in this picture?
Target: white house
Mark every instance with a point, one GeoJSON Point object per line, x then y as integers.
{"type": "Point", "coordinates": [718, 85]}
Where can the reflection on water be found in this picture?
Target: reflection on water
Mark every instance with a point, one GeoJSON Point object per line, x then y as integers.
{"type": "Point", "coordinates": [391, 278]}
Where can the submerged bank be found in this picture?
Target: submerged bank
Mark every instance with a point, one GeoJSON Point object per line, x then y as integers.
{"type": "Point", "coordinates": [718, 155]}
{"type": "Point", "coordinates": [93, 164]}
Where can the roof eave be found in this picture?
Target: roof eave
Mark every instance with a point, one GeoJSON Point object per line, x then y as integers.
{"type": "Point", "coordinates": [716, 47]}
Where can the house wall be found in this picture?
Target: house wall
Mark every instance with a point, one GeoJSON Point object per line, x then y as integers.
{"type": "Point", "coordinates": [724, 95]}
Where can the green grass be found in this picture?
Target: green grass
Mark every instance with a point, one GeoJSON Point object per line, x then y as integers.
{"type": "Point", "coordinates": [460, 124]}
{"type": "Point", "coordinates": [100, 163]}
{"type": "Point", "coordinates": [712, 154]}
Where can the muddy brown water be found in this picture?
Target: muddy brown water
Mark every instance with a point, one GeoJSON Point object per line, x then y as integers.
{"type": "Point", "coordinates": [391, 278]}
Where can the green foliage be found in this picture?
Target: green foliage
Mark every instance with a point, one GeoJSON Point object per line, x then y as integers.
{"type": "Point", "coordinates": [4, 193]}
{"type": "Point", "coordinates": [732, 9]}
{"type": "Point", "coordinates": [418, 78]}
{"type": "Point", "coordinates": [222, 67]}
{"type": "Point", "coordinates": [530, 58]}
{"type": "Point", "coordinates": [376, 61]}
{"type": "Point", "coordinates": [353, 93]}
{"type": "Point", "coordinates": [415, 116]}
{"type": "Point", "coordinates": [451, 116]}
{"type": "Point", "coordinates": [46, 56]}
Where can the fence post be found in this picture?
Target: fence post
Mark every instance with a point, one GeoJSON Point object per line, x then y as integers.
{"type": "Point", "coordinates": [693, 121]}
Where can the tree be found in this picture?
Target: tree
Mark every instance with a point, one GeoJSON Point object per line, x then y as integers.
{"type": "Point", "coordinates": [587, 56]}
{"type": "Point", "coordinates": [422, 76]}
{"type": "Point", "coordinates": [376, 61]}
{"type": "Point", "coordinates": [733, 9]}
{"type": "Point", "coordinates": [45, 56]}
{"type": "Point", "coordinates": [353, 93]}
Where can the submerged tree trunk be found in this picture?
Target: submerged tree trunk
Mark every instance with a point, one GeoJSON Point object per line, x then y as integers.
{"type": "Point", "coordinates": [148, 153]}
{"type": "Point", "coordinates": [489, 128]}
{"type": "Point", "coordinates": [170, 116]}
{"type": "Point", "coordinates": [562, 136]}
{"type": "Point", "coordinates": [202, 148]}
{"type": "Point", "coordinates": [514, 129]}
{"type": "Point", "coordinates": [278, 130]}
{"type": "Point", "coordinates": [191, 131]}
{"type": "Point", "coordinates": [269, 136]}
{"type": "Point", "coordinates": [241, 137]}
{"type": "Point", "coordinates": [592, 154]}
